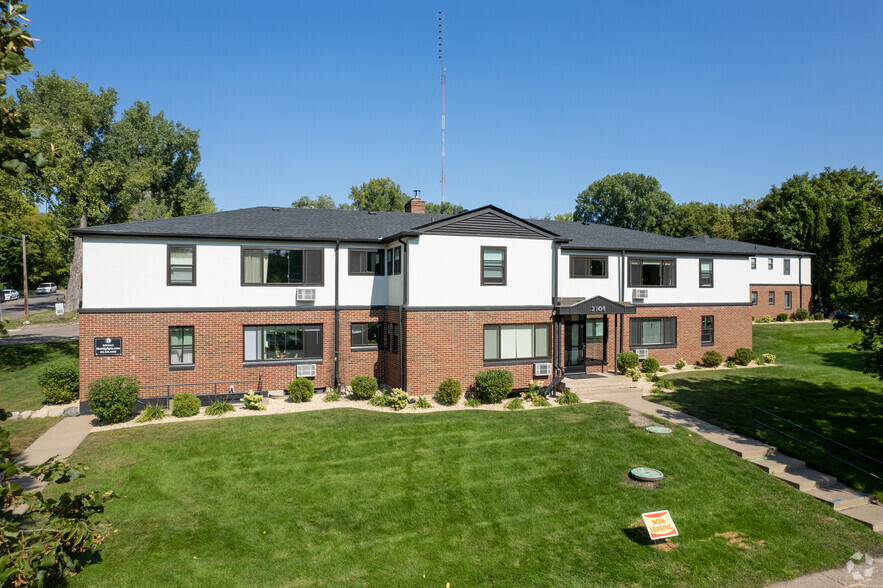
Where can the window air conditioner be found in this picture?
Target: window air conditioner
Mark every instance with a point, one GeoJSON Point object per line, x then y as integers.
{"type": "Point", "coordinates": [640, 294]}
{"type": "Point", "coordinates": [542, 369]}
{"type": "Point", "coordinates": [306, 370]}
{"type": "Point", "coordinates": [642, 353]}
{"type": "Point", "coordinates": [306, 294]}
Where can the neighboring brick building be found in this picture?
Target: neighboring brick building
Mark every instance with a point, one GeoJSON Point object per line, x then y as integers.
{"type": "Point", "coordinates": [409, 298]}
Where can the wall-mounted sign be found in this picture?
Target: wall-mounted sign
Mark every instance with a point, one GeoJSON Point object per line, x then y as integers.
{"type": "Point", "coordinates": [108, 346]}
{"type": "Point", "coordinates": [659, 525]}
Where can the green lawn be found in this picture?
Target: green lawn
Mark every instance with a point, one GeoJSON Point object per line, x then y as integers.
{"type": "Point", "coordinates": [19, 367]}
{"type": "Point", "coordinates": [349, 497]}
{"type": "Point", "coordinates": [23, 433]}
{"type": "Point", "coordinates": [819, 384]}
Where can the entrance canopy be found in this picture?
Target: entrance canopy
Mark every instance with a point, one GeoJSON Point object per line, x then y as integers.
{"type": "Point", "coordinates": [595, 305]}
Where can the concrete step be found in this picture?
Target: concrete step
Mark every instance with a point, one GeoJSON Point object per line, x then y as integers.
{"type": "Point", "coordinates": [870, 515]}
{"type": "Point", "coordinates": [840, 496]}
{"type": "Point", "coordinates": [742, 446]}
{"type": "Point", "coordinates": [806, 479]}
{"type": "Point", "coordinates": [777, 462]}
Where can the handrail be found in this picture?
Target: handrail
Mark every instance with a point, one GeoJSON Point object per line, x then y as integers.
{"type": "Point", "coordinates": [215, 392]}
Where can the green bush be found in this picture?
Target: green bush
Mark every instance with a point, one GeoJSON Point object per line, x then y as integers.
{"type": "Point", "coordinates": [332, 395]}
{"type": "Point", "coordinates": [781, 317]}
{"type": "Point", "coordinates": [633, 373]}
{"type": "Point", "coordinates": [185, 405]}
{"type": "Point", "coordinates": [818, 316]}
{"type": "Point", "coordinates": [665, 384]}
{"type": "Point", "coordinates": [540, 401]}
{"type": "Point", "coordinates": [301, 390]}
{"type": "Point", "coordinates": [60, 382]}
{"type": "Point", "coordinates": [769, 358]}
{"type": "Point", "coordinates": [568, 397]}
{"type": "Point", "coordinates": [363, 387]}
{"type": "Point", "coordinates": [801, 314]}
{"type": "Point", "coordinates": [766, 319]}
{"type": "Point", "coordinates": [626, 360]}
{"type": "Point", "coordinates": [219, 408]}
{"type": "Point", "coordinates": [398, 399]}
{"type": "Point", "coordinates": [515, 404]}
{"type": "Point", "coordinates": [379, 399]}
{"type": "Point", "coordinates": [492, 386]}
{"type": "Point", "coordinates": [151, 412]}
{"type": "Point", "coordinates": [254, 401]}
{"type": "Point", "coordinates": [712, 358]}
{"type": "Point", "coordinates": [744, 356]}
{"type": "Point", "coordinates": [663, 370]}
{"type": "Point", "coordinates": [422, 402]}
{"type": "Point", "coordinates": [449, 392]}
{"type": "Point", "coordinates": [473, 402]}
{"type": "Point", "coordinates": [3, 332]}
{"type": "Point", "coordinates": [650, 366]}
{"type": "Point", "coordinates": [112, 398]}
{"type": "Point", "coordinates": [730, 364]}
{"type": "Point", "coordinates": [679, 364]}
{"type": "Point", "coordinates": [652, 377]}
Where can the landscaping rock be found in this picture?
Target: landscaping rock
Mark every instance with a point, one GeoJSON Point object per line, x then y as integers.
{"type": "Point", "coordinates": [71, 411]}
{"type": "Point", "coordinates": [276, 393]}
{"type": "Point", "coordinates": [41, 413]}
{"type": "Point", "coordinates": [15, 416]}
{"type": "Point", "coordinates": [55, 411]}
{"type": "Point", "coordinates": [27, 414]}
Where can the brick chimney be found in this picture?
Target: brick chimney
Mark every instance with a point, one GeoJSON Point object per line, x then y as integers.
{"type": "Point", "coordinates": [415, 204]}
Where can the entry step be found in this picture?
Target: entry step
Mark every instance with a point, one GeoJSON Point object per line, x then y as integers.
{"type": "Point", "coordinates": [806, 479]}
{"type": "Point", "coordinates": [777, 462]}
{"type": "Point", "coordinates": [840, 496]}
{"type": "Point", "coordinates": [868, 514]}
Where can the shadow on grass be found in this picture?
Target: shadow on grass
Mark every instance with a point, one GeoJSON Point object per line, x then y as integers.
{"type": "Point", "coordinates": [847, 360]}
{"type": "Point", "coordinates": [16, 357]}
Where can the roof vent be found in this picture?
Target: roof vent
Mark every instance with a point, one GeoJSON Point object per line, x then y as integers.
{"type": "Point", "coordinates": [275, 209]}
{"type": "Point", "coordinates": [372, 212]}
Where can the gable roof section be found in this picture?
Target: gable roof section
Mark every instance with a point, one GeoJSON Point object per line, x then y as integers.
{"type": "Point", "coordinates": [487, 221]}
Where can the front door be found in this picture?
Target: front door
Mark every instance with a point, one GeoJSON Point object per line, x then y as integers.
{"type": "Point", "coordinates": [574, 347]}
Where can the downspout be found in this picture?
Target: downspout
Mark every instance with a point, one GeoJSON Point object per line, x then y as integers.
{"type": "Point", "coordinates": [622, 289]}
{"type": "Point", "coordinates": [558, 371]}
{"type": "Point", "coordinates": [800, 279]}
{"type": "Point", "coordinates": [404, 302]}
{"type": "Point", "coordinates": [337, 315]}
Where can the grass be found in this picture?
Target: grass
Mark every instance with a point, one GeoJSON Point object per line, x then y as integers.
{"type": "Point", "coordinates": [348, 497]}
{"type": "Point", "coordinates": [818, 384]}
{"type": "Point", "coordinates": [43, 317]}
{"type": "Point", "coordinates": [23, 433]}
{"type": "Point", "coordinates": [19, 367]}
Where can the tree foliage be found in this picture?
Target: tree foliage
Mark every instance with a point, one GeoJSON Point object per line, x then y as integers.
{"type": "Point", "coordinates": [322, 201]}
{"type": "Point", "coordinates": [628, 200]}
{"type": "Point", "coordinates": [381, 194]}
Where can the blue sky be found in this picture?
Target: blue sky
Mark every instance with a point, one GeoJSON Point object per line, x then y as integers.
{"type": "Point", "coordinates": [718, 100]}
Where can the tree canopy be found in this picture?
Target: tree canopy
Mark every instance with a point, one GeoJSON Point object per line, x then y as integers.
{"type": "Point", "coordinates": [381, 194]}
{"type": "Point", "coordinates": [628, 200]}
{"type": "Point", "coordinates": [322, 201]}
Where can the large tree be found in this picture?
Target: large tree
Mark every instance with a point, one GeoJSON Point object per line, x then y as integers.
{"type": "Point", "coordinates": [380, 194]}
{"type": "Point", "coordinates": [322, 201]}
{"type": "Point", "coordinates": [628, 200]}
{"type": "Point", "coordinates": [696, 218]}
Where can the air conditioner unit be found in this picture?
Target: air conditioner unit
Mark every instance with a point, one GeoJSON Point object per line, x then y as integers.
{"type": "Point", "coordinates": [642, 353]}
{"type": "Point", "coordinates": [542, 369]}
{"type": "Point", "coordinates": [640, 294]}
{"type": "Point", "coordinates": [306, 294]}
{"type": "Point", "coordinates": [306, 370]}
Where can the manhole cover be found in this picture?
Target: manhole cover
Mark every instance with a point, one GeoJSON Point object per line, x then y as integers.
{"type": "Point", "coordinates": [658, 430]}
{"type": "Point", "coordinates": [647, 474]}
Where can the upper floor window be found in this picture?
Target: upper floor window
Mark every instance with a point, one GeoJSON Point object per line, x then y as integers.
{"type": "Point", "coordinates": [786, 267]}
{"type": "Point", "coordinates": [282, 266]}
{"type": "Point", "coordinates": [769, 263]}
{"type": "Point", "coordinates": [281, 342]}
{"type": "Point", "coordinates": [365, 335]}
{"type": "Point", "coordinates": [707, 335]}
{"type": "Point", "coordinates": [652, 272]}
{"type": "Point", "coordinates": [394, 261]}
{"type": "Point", "coordinates": [647, 332]}
{"type": "Point", "coordinates": [493, 266]}
{"type": "Point", "coordinates": [753, 263]}
{"type": "Point", "coordinates": [706, 273]}
{"type": "Point", "coordinates": [365, 262]}
{"type": "Point", "coordinates": [588, 267]}
{"type": "Point", "coordinates": [180, 347]}
{"type": "Point", "coordinates": [182, 265]}
{"type": "Point", "coordinates": [516, 341]}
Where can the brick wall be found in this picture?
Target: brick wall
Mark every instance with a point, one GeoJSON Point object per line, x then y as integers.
{"type": "Point", "coordinates": [763, 307]}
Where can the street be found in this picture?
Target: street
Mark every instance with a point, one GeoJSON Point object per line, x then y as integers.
{"type": "Point", "coordinates": [36, 303]}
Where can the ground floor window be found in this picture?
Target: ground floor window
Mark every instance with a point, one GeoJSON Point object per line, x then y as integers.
{"type": "Point", "coordinates": [516, 341]}
{"type": "Point", "coordinates": [754, 298]}
{"type": "Point", "coordinates": [772, 298]}
{"type": "Point", "coordinates": [180, 346]}
{"type": "Point", "coordinates": [647, 332]}
{"type": "Point", "coordinates": [365, 335]}
{"type": "Point", "coordinates": [708, 330]}
{"type": "Point", "coordinates": [594, 330]}
{"type": "Point", "coordinates": [787, 300]}
{"type": "Point", "coordinates": [281, 342]}
{"type": "Point", "coordinates": [395, 338]}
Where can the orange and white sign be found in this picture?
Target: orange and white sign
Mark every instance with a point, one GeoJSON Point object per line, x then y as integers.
{"type": "Point", "coordinates": [659, 525]}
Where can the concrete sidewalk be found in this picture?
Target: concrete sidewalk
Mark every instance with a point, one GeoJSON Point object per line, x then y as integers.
{"type": "Point", "coordinates": [42, 333]}
{"type": "Point", "coordinates": [59, 441]}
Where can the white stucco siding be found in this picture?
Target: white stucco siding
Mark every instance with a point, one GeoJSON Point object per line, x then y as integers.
{"type": "Point", "coordinates": [588, 287]}
{"type": "Point", "coordinates": [801, 270]}
{"type": "Point", "coordinates": [445, 270]}
{"type": "Point", "coordinates": [730, 282]}
{"type": "Point", "coordinates": [128, 273]}
{"type": "Point", "coordinates": [361, 290]}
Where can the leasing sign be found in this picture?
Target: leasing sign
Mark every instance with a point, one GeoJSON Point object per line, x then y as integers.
{"type": "Point", "coordinates": [659, 525]}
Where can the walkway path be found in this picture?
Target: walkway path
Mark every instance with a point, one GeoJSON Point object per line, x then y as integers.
{"type": "Point", "coordinates": [59, 441]}
{"type": "Point", "coordinates": [42, 333]}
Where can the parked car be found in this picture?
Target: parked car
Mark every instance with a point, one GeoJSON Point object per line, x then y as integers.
{"type": "Point", "coordinates": [10, 294]}
{"type": "Point", "coordinates": [845, 315]}
{"type": "Point", "coordinates": [820, 309]}
{"type": "Point", "coordinates": [47, 288]}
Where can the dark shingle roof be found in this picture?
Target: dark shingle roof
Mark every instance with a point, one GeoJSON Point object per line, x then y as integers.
{"type": "Point", "coordinates": [306, 224]}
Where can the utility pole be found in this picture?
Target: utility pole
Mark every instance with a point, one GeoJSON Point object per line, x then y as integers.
{"type": "Point", "coordinates": [24, 266]}
{"type": "Point", "coordinates": [441, 56]}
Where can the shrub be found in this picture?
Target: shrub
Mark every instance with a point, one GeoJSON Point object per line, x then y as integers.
{"type": "Point", "coordinates": [697, 367]}
{"type": "Point", "coordinates": [568, 397]}
{"type": "Point", "coordinates": [492, 386]}
{"type": "Point", "coordinates": [801, 314]}
{"type": "Point", "coordinates": [254, 401]}
{"type": "Point", "coordinates": [398, 399]}
{"type": "Point", "coordinates": [185, 405]}
{"type": "Point", "coordinates": [730, 364]}
{"type": "Point", "coordinates": [60, 382]}
{"type": "Point", "coordinates": [781, 317]}
{"type": "Point", "coordinates": [380, 398]}
{"type": "Point", "coordinates": [363, 387]}
{"type": "Point", "coordinates": [818, 316]}
{"type": "Point", "coordinates": [663, 370]}
{"type": "Point", "coordinates": [626, 360]}
{"type": "Point", "coordinates": [111, 398]}
{"type": "Point", "coordinates": [332, 396]}
{"type": "Point", "coordinates": [652, 378]}
{"type": "Point", "coordinates": [679, 364]}
{"type": "Point", "coordinates": [515, 404]}
{"type": "Point", "coordinates": [3, 332]}
{"type": "Point", "coordinates": [633, 373]}
{"type": "Point", "coordinates": [540, 401]}
{"type": "Point", "coordinates": [744, 356]}
{"type": "Point", "coordinates": [219, 408]}
{"type": "Point", "coordinates": [650, 366]}
{"type": "Point", "coordinates": [473, 402]}
{"type": "Point", "coordinates": [151, 412]}
{"type": "Point", "coordinates": [712, 358]}
{"type": "Point", "coordinates": [301, 390]}
{"type": "Point", "coordinates": [766, 319]}
{"type": "Point", "coordinates": [449, 392]}
{"type": "Point", "coordinates": [769, 357]}
{"type": "Point", "coordinates": [422, 402]}
{"type": "Point", "coordinates": [663, 384]}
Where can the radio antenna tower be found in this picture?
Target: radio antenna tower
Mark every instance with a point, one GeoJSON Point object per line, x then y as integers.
{"type": "Point", "coordinates": [441, 56]}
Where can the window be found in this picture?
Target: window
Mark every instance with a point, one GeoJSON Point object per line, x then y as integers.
{"type": "Point", "coordinates": [281, 342]}
{"type": "Point", "coordinates": [786, 266]}
{"type": "Point", "coordinates": [652, 272]}
{"type": "Point", "coordinates": [594, 330]}
{"type": "Point", "coordinates": [588, 267]}
{"type": "Point", "coordinates": [394, 261]}
{"type": "Point", "coordinates": [650, 332]}
{"type": "Point", "coordinates": [706, 273]}
{"type": "Point", "coordinates": [180, 347]}
{"type": "Point", "coordinates": [753, 263]}
{"type": "Point", "coordinates": [366, 263]}
{"type": "Point", "coordinates": [516, 341]}
{"type": "Point", "coordinates": [282, 266]}
{"type": "Point", "coordinates": [754, 297]}
{"type": "Point", "coordinates": [387, 331]}
{"type": "Point", "coordinates": [772, 298]}
{"type": "Point", "coordinates": [707, 331]}
{"type": "Point", "coordinates": [182, 265]}
{"type": "Point", "coordinates": [787, 300]}
{"type": "Point", "coordinates": [493, 266]}
{"type": "Point", "coordinates": [769, 263]}
{"type": "Point", "coordinates": [365, 335]}
{"type": "Point", "coordinates": [395, 337]}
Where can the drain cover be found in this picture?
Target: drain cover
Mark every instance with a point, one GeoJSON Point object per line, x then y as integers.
{"type": "Point", "coordinates": [647, 474]}
{"type": "Point", "coordinates": [658, 430]}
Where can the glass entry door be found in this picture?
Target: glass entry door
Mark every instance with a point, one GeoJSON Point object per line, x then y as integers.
{"type": "Point", "coordinates": [574, 347]}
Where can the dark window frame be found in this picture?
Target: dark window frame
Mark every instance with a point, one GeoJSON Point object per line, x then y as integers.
{"type": "Point", "coordinates": [710, 283]}
{"type": "Point", "coordinates": [771, 298]}
{"type": "Point", "coordinates": [364, 344]}
{"type": "Point", "coordinates": [510, 360]}
{"type": "Point", "coordinates": [754, 298]}
{"type": "Point", "coordinates": [192, 346]}
{"type": "Point", "coordinates": [703, 331]}
{"type": "Point", "coordinates": [305, 359]}
{"type": "Point", "coordinates": [664, 344]}
{"type": "Point", "coordinates": [753, 263]}
{"type": "Point", "coordinates": [769, 263]}
{"type": "Point", "coordinates": [590, 258]}
{"type": "Point", "coordinates": [395, 337]}
{"type": "Point", "coordinates": [505, 264]}
{"type": "Point", "coordinates": [786, 267]}
{"type": "Point", "coordinates": [378, 263]}
{"type": "Point", "coordinates": [674, 271]}
{"type": "Point", "coordinates": [303, 284]}
{"type": "Point", "coordinates": [787, 299]}
{"type": "Point", "coordinates": [169, 282]}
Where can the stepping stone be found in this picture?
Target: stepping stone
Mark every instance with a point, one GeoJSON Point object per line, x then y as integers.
{"type": "Point", "coordinates": [41, 413]}
{"type": "Point", "coordinates": [71, 411]}
{"type": "Point", "coordinates": [840, 496]}
{"type": "Point", "coordinates": [870, 515]}
{"type": "Point", "coordinates": [55, 411]}
{"type": "Point", "coordinates": [779, 463]}
{"type": "Point", "coordinates": [276, 393]}
{"type": "Point", "coordinates": [15, 416]}
{"type": "Point", "coordinates": [806, 479]}
{"type": "Point", "coordinates": [27, 414]}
